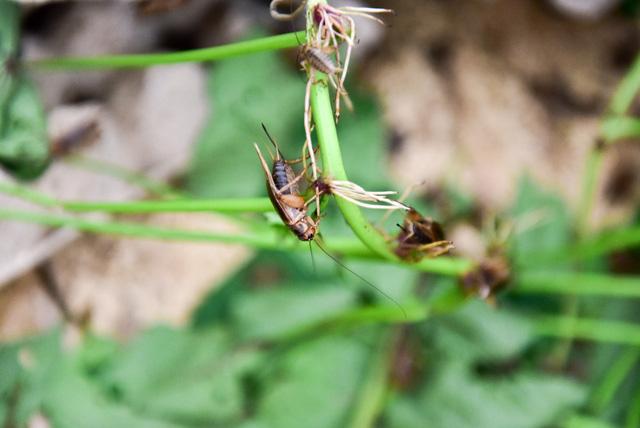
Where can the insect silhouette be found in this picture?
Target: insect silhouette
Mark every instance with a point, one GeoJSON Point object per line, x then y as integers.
{"type": "Point", "coordinates": [284, 192]}
{"type": "Point", "coordinates": [420, 237]}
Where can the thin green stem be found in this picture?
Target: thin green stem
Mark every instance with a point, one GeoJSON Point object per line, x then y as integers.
{"type": "Point", "coordinates": [282, 41]}
{"type": "Point", "coordinates": [616, 374]}
{"type": "Point", "coordinates": [578, 283]}
{"type": "Point", "coordinates": [375, 387]}
{"type": "Point", "coordinates": [589, 329]}
{"type": "Point", "coordinates": [234, 205]}
{"type": "Point", "coordinates": [27, 194]}
{"type": "Point", "coordinates": [589, 184]}
{"type": "Point", "coordinates": [633, 413]}
{"type": "Point", "coordinates": [613, 127]}
{"type": "Point", "coordinates": [264, 239]}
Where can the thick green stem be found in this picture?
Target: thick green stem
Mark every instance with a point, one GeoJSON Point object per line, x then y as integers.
{"type": "Point", "coordinates": [282, 41]}
{"type": "Point", "coordinates": [332, 164]}
{"type": "Point", "coordinates": [333, 169]}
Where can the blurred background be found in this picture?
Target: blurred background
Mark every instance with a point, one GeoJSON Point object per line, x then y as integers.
{"type": "Point", "coordinates": [487, 110]}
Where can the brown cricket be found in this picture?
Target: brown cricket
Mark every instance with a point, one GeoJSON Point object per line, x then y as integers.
{"type": "Point", "coordinates": [283, 190]}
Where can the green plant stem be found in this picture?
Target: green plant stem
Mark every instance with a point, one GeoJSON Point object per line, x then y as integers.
{"type": "Point", "coordinates": [587, 197]}
{"type": "Point", "coordinates": [258, 240]}
{"type": "Point", "coordinates": [234, 205]}
{"type": "Point", "coordinates": [633, 413]}
{"type": "Point", "coordinates": [262, 237]}
{"type": "Point", "coordinates": [333, 168]}
{"type": "Point", "coordinates": [341, 247]}
{"type": "Point", "coordinates": [619, 127]}
{"type": "Point", "coordinates": [375, 387]}
{"type": "Point", "coordinates": [282, 41]}
{"type": "Point", "coordinates": [332, 164]}
{"type": "Point", "coordinates": [589, 329]}
{"type": "Point", "coordinates": [616, 374]}
{"type": "Point", "coordinates": [578, 283]}
{"type": "Point", "coordinates": [614, 126]}
{"type": "Point", "coordinates": [627, 90]}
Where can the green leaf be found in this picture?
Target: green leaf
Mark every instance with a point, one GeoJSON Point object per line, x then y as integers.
{"type": "Point", "coordinates": [53, 383]}
{"type": "Point", "coordinates": [24, 148]}
{"type": "Point", "coordinates": [524, 400]}
{"type": "Point", "coordinates": [457, 393]}
{"type": "Point", "coordinates": [288, 310]}
{"type": "Point", "coordinates": [314, 385]}
{"type": "Point", "coordinates": [245, 92]}
{"type": "Point", "coordinates": [545, 222]}
{"type": "Point", "coordinates": [479, 332]}
{"type": "Point", "coordinates": [192, 377]}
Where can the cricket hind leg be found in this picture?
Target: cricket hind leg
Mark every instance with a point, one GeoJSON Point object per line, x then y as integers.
{"type": "Point", "coordinates": [444, 247]}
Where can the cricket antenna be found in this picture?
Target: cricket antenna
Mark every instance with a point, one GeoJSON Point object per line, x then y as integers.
{"type": "Point", "coordinates": [271, 139]}
{"type": "Point", "coordinates": [268, 135]}
{"type": "Point", "coordinates": [313, 260]}
{"type": "Point", "coordinates": [335, 259]}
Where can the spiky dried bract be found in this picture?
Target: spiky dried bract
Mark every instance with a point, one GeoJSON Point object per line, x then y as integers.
{"type": "Point", "coordinates": [361, 197]}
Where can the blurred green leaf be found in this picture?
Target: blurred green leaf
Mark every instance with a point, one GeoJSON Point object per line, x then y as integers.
{"type": "Point", "coordinates": [24, 147]}
{"type": "Point", "coordinates": [478, 332]}
{"type": "Point", "coordinates": [544, 220]}
{"type": "Point", "coordinates": [53, 383]}
{"type": "Point", "coordinates": [245, 92]}
{"type": "Point", "coordinates": [314, 385]}
{"type": "Point", "coordinates": [275, 313]}
{"type": "Point", "coordinates": [192, 377]}
{"type": "Point", "coordinates": [457, 393]}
